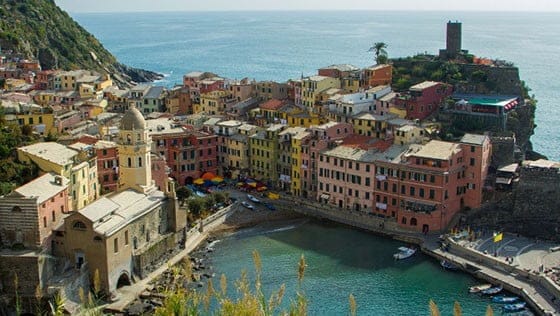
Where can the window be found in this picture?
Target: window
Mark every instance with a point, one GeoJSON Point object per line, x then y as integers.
{"type": "Point", "coordinates": [53, 216]}
{"type": "Point", "coordinates": [79, 225]}
{"type": "Point", "coordinates": [97, 238]}
{"type": "Point", "coordinates": [116, 245]}
{"type": "Point", "coordinates": [412, 191]}
{"type": "Point", "coordinates": [421, 192]}
{"type": "Point", "coordinates": [16, 209]}
{"type": "Point", "coordinates": [472, 161]}
{"type": "Point", "coordinates": [139, 161]}
{"type": "Point", "coordinates": [126, 238]}
{"type": "Point", "coordinates": [44, 221]}
{"type": "Point", "coordinates": [432, 194]}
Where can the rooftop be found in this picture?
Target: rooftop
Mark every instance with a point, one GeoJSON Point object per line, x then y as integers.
{"type": "Point", "coordinates": [163, 126]}
{"type": "Point", "coordinates": [342, 67]}
{"type": "Point", "coordinates": [316, 78]}
{"type": "Point", "coordinates": [272, 104]}
{"type": "Point", "coordinates": [423, 85]}
{"type": "Point", "coordinates": [474, 139]}
{"type": "Point", "coordinates": [230, 123]}
{"type": "Point", "coordinates": [113, 211]}
{"type": "Point", "coordinates": [194, 74]}
{"type": "Point", "coordinates": [43, 187]}
{"type": "Point", "coordinates": [436, 149]}
{"type": "Point", "coordinates": [51, 151]}
{"type": "Point", "coordinates": [541, 163]}
{"type": "Point", "coordinates": [154, 92]}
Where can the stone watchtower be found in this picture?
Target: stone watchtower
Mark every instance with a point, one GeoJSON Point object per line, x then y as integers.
{"type": "Point", "coordinates": [453, 41]}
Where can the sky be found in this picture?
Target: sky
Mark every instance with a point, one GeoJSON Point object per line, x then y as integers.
{"type": "Point", "coordinates": [267, 5]}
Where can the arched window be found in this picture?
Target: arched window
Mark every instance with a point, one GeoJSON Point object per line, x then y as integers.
{"type": "Point", "coordinates": [79, 225]}
{"type": "Point", "coordinates": [139, 161]}
{"type": "Point", "coordinates": [44, 221]}
{"type": "Point", "coordinates": [413, 222]}
{"type": "Point", "coordinates": [403, 220]}
{"type": "Point", "coordinates": [16, 209]}
{"type": "Point", "coordinates": [129, 162]}
{"type": "Point", "coordinates": [128, 138]}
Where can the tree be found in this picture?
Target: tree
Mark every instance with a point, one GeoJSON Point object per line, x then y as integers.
{"type": "Point", "coordinates": [183, 193]}
{"type": "Point", "coordinates": [196, 206]}
{"type": "Point", "coordinates": [378, 49]}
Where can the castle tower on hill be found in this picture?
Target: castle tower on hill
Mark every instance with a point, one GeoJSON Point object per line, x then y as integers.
{"type": "Point", "coordinates": [134, 146]}
{"type": "Point", "coordinates": [453, 41]}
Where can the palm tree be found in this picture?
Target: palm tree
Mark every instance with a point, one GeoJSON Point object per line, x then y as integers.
{"type": "Point", "coordinates": [378, 49]}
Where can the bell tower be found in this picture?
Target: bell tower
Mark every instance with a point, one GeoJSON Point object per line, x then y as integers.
{"type": "Point", "coordinates": [135, 170]}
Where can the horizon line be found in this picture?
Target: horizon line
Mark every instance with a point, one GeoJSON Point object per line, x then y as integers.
{"type": "Point", "coordinates": [317, 10]}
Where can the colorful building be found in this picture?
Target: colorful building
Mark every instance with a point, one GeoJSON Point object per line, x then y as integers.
{"type": "Point", "coordinates": [428, 184]}
{"type": "Point", "coordinates": [30, 213]}
{"type": "Point", "coordinates": [378, 75]}
{"type": "Point", "coordinates": [264, 148]}
{"type": "Point", "coordinates": [267, 90]}
{"type": "Point", "coordinates": [423, 99]}
{"type": "Point", "coordinates": [313, 86]}
{"type": "Point", "coordinates": [78, 164]}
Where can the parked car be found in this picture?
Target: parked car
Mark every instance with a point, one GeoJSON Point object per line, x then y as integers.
{"type": "Point", "coordinates": [248, 205]}
{"type": "Point", "coordinates": [270, 206]}
{"type": "Point", "coordinates": [253, 199]}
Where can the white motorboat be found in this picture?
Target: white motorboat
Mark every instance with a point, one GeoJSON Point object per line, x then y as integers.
{"type": "Point", "coordinates": [479, 288]}
{"type": "Point", "coordinates": [404, 252]}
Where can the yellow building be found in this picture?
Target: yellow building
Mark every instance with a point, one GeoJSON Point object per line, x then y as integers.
{"type": "Point", "coordinates": [409, 134]}
{"type": "Point", "coordinates": [41, 121]}
{"type": "Point", "coordinates": [69, 79]}
{"type": "Point", "coordinates": [263, 149]}
{"type": "Point", "coordinates": [313, 86]}
{"type": "Point", "coordinates": [371, 125]}
{"type": "Point", "coordinates": [214, 102]}
{"type": "Point", "coordinates": [43, 97]}
{"type": "Point", "coordinates": [297, 139]}
{"type": "Point", "coordinates": [237, 150]}
{"type": "Point", "coordinates": [350, 84]}
{"type": "Point", "coordinates": [303, 119]}
{"type": "Point", "coordinates": [78, 164]}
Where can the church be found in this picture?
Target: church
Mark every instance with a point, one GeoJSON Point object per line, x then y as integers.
{"type": "Point", "coordinates": [121, 233]}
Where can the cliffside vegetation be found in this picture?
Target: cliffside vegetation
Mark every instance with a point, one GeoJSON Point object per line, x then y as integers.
{"type": "Point", "coordinates": [40, 29]}
{"type": "Point", "coordinates": [14, 173]}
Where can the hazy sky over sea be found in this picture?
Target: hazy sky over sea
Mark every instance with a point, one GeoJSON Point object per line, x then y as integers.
{"type": "Point", "coordinates": [229, 5]}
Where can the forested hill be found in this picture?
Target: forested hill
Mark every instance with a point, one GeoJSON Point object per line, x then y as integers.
{"type": "Point", "coordinates": [40, 29]}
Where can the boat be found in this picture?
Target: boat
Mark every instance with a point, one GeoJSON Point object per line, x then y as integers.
{"type": "Point", "coordinates": [510, 308]}
{"type": "Point", "coordinates": [492, 290]}
{"type": "Point", "coordinates": [502, 299]}
{"type": "Point", "coordinates": [404, 252]}
{"type": "Point", "coordinates": [479, 288]}
{"type": "Point", "coordinates": [448, 265]}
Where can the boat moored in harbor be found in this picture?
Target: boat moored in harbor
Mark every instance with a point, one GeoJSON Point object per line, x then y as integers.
{"type": "Point", "coordinates": [492, 290]}
{"type": "Point", "coordinates": [404, 252]}
{"type": "Point", "coordinates": [502, 299]}
{"type": "Point", "coordinates": [479, 288]}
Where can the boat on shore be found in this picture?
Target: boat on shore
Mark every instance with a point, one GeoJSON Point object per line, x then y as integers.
{"type": "Point", "coordinates": [448, 265]}
{"type": "Point", "coordinates": [502, 299]}
{"type": "Point", "coordinates": [479, 288]}
{"type": "Point", "coordinates": [511, 308]}
{"type": "Point", "coordinates": [404, 252]}
{"type": "Point", "coordinates": [492, 290]}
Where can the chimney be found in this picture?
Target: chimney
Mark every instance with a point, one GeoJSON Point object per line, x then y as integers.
{"type": "Point", "coordinates": [58, 180]}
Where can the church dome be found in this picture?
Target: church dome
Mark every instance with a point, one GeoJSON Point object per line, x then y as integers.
{"type": "Point", "coordinates": [133, 120]}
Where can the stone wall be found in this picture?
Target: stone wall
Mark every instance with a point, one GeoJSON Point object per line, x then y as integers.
{"type": "Point", "coordinates": [144, 262]}
{"type": "Point", "coordinates": [532, 208]}
{"type": "Point", "coordinates": [32, 270]}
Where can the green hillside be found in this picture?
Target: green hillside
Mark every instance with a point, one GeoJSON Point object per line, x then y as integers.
{"type": "Point", "coordinates": [40, 29]}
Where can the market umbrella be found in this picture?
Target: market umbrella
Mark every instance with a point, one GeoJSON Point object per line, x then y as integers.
{"type": "Point", "coordinates": [217, 179]}
{"type": "Point", "coordinates": [199, 181]}
{"type": "Point", "coordinates": [208, 176]}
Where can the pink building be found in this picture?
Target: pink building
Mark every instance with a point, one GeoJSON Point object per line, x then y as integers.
{"type": "Point", "coordinates": [345, 177]}
{"type": "Point", "coordinates": [430, 183]}
{"type": "Point", "coordinates": [322, 136]}
{"type": "Point", "coordinates": [107, 165]}
{"type": "Point", "coordinates": [423, 99]}
{"type": "Point", "coordinates": [160, 171]}
{"type": "Point", "coordinates": [30, 213]}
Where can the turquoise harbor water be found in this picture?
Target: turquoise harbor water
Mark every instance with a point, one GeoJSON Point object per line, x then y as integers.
{"type": "Point", "coordinates": [283, 45]}
{"type": "Point", "coordinates": [341, 261]}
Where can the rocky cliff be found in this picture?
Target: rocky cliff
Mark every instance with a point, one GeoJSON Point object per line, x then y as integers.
{"type": "Point", "coordinates": [40, 29]}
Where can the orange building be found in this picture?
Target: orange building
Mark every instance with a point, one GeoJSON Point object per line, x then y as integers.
{"type": "Point", "coordinates": [378, 75]}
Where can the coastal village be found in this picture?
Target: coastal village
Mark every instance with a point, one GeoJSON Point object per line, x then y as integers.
{"type": "Point", "coordinates": [111, 160]}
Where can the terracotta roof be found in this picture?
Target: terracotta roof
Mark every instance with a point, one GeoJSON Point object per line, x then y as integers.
{"type": "Point", "coordinates": [366, 142]}
{"type": "Point", "coordinates": [272, 104]}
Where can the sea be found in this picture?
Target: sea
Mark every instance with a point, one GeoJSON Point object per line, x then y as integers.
{"type": "Point", "coordinates": [282, 45]}
{"type": "Point", "coordinates": [341, 261]}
